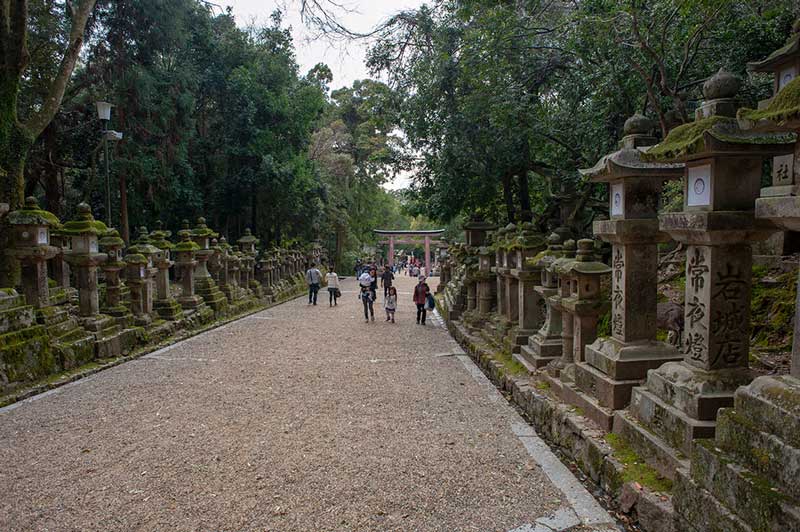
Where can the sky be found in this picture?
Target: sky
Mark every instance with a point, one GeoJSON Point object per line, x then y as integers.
{"type": "Point", "coordinates": [346, 60]}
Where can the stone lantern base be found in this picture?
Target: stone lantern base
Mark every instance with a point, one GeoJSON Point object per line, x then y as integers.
{"type": "Point", "coordinates": [611, 370]}
{"type": "Point", "coordinates": [677, 405]}
{"type": "Point", "coordinates": [168, 309]}
{"type": "Point", "coordinates": [211, 294]}
{"type": "Point", "coordinates": [749, 472]}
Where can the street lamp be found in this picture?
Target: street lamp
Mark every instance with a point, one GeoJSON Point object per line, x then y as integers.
{"type": "Point", "coordinates": [104, 114]}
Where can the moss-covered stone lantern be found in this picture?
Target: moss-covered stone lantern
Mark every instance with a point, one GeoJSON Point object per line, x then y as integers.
{"type": "Point", "coordinates": [185, 261]}
{"type": "Point", "coordinates": [204, 283]}
{"type": "Point", "coordinates": [30, 245]}
{"type": "Point", "coordinates": [112, 245]}
{"type": "Point", "coordinates": [560, 270]}
{"type": "Point", "coordinates": [84, 257]}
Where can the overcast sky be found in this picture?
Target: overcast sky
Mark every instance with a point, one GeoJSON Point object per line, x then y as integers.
{"type": "Point", "coordinates": [346, 61]}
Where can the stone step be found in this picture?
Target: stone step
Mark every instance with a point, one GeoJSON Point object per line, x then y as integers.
{"type": "Point", "coordinates": [53, 315]}
{"type": "Point", "coordinates": [772, 403]}
{"type": "Point", "coordinates": [702, 406]}
{"type": "Point", "coordinates": [657, 453]}
{"type": "Point", "coordinates": [25, 355]}
{"type": "Point", "coordinates": [699, 511]}
{"type": "Point", "coordinates": [62, 328]}
{"type": "Point", "coordinates": [534, 359]}
{"type": "Point", "coordinates": [75, 349]}
{"type": "Point", "coordinates": [9, 299]}
{"type": "Point", "coordinates": [752, 497]}
{"type": "Point", "coordinates": [675, 427]}
{"type": "Point", "coordinates": [609, 393]}
{"type": "Point", "coordinates": [763, 452]}
{"type": "Point", "coordinates": [630, 362]}
{"type": "Point", "coordinates": [588, 406]}
{"type": "Point", "coordinates": [14, 319]}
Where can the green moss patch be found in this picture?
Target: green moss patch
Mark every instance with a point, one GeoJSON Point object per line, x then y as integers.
{"type": "Point", "coordinates": [772, 309]}
{"type": "Point", "coordinates": [635, 469]}
{"type": "Point", "coordinates": [685, 139]}
{"type": "Point", "coordinates": [783, 107]}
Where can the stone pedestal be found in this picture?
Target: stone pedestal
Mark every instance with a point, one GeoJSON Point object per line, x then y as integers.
{"type": "Point", "coordinates": [111, 244]}
{"type": "Point", "coordinates": [561, 269]}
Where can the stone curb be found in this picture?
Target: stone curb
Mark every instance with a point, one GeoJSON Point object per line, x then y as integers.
{"type": "Point", "coordinates": [570, 433]}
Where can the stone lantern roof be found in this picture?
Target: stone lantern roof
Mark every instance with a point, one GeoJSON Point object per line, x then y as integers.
{"type": "Point", "coordinates": [159, 237]}
{"type": "Point", "coordinates": [628, 161]}
{"type": "Point", "coordinates": [84, 224]}
{"type": "Point", "coordinates": [142, 244]}
{"type": "Point", "coordinates": [585, 262]}
{"type": "Point", "coordinates": [186, 244]}
{"type": "Point", "coordinates": [32, 214]}
{"type": "Point", "coordinates": [201, 229]}
{"type": "Point", "coordinates": [715, 130]}
{"type": "Point", "coordinates": [248, 238]}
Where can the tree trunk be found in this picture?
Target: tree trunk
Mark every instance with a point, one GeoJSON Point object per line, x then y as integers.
{"type": "Point", "coordinates": [124, 229]}
{"type": "Point", "coordinates": [524, 196]}
{"type": "Point", "coordinates": [14, 146]}
{"type": "Point", "coordinates": [509, 197]}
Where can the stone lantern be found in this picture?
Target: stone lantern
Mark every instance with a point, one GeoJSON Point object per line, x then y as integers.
{"type": "Point", "coordinates": [545, 345]}
{"type": "Point", "coordinates": [560, 271]}
{"type": "Point", "coordinates": [717, 225]}
{"type": "Point", "coordinates": [84, 257]}
{"type": "Point", "coordinates": [111, 244]}
{"type": "Point", "coordinates": [165, 305]}
{"type": "Point", "coordinates": [527, 244]}
{"type": "Point", "coordinates": [30, 244]}
{"type": "Point", "coordinates": [204, 284]}
{"type": "Point", "coordinates": [486, 280]}
{"type": "Point", "coordinates": [185, 261]}
{"type": "Point", "coordinates": [584, 302]}
{"type": "Point", "coordinates": [616, 364]}
{"type": "Point", "coordinates": [228, 266]}
{"type": "Point", "coordinates": [247, 244]}
{"type": "Point", "coordinates": [140, 275]}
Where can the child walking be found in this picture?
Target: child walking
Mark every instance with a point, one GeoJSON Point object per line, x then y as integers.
{"type": "Point", "coordinates": [390, 303]}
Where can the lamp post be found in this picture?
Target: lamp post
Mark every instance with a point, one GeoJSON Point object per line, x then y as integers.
{"type": "Point", "coordinates": [104, 114]}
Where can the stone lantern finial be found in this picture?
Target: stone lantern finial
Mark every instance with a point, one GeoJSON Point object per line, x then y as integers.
{"type": "Point", "coordinates": [723, 84]}
{"type": "Point", "coordinates": [585, 251]}
{"type": "Point", "coordinates": [638, 124]}
{"type": "Point", "coordinates": [31, 203]}
{"type": "Point", "coordinates": [84, 211]}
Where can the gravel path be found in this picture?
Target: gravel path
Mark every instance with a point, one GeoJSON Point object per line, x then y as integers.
{"type": "Point", "coordinates": [298, 418]}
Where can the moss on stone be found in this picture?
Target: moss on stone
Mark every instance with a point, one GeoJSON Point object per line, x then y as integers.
{"type": "Point", "coordinates": [772, 309]}
{"type": "Point", "coordinates": [783, 107]}
{"type": "Point", "coordinates": [684, 140]}
{"type": "Point", "coordinates": [635, 469]}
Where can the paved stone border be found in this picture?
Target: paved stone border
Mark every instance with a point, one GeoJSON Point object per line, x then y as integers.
{"type": "Point", "coordinates": [43, 389]}
{"type": "Point", "coordinates": [568, 431]}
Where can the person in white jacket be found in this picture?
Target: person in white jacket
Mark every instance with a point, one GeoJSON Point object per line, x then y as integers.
{"type": "Point", "coordinates": [332, 280]}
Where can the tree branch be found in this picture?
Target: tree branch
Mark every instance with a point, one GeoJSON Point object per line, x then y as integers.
{"type": "Point", "coordinates": [80, 16]}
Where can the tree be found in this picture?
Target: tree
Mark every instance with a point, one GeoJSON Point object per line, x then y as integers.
{"type": "Point", "coordinates": [18, 131]}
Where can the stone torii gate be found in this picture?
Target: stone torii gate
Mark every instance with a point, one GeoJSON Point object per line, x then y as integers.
{"type": "Point", "coordinates": [411, 236]}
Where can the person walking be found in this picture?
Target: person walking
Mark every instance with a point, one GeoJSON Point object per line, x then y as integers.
{"type": "Point", "coordinates": [367, 295]}
{"type": "Point", "coordinates": [332, 280]}
{"type": "Point", "coordinates": [313, 279]}
{"type": "Point", "coordinates": [421, 292]}
{"type": "Point", "coordinates": [390, 303]}
{"type": "Point", "coordinates": [387, 277]}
